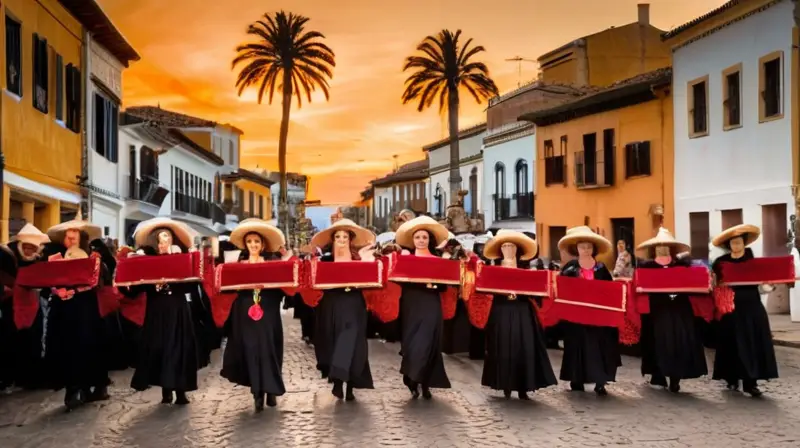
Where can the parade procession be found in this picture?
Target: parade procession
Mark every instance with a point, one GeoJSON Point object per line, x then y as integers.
{"type": "Point", "coordinates": [73, 311]}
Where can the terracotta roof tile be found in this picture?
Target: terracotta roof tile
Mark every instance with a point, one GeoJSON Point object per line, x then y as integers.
{"type": "Point", "coordinates": [166, 117]}
{"type": "Point", "coordinates": [410, 171]}
{"type": "Point", "coordinates": [678, 30]}
{"type": "Point", "coordinates": [170, 137]}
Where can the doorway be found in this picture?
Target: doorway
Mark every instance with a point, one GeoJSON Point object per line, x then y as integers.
{"type": "Point", "coordinates": [622, 229]}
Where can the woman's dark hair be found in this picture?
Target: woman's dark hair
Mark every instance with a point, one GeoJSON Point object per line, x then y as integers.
{"type": "Point", "coordinates": [353, 251]}
{"type": "Point", "coordinates": [539, 264]}
{"type": "Point", "coordinates": [573, 249]}
{"type": "Point", "coordinates": [152, 239]}
{"type": "Point", "coordinates": [727, 244]}
{"type": "Point", "coordinates": [245, 254]}
{"type": "Point", "coordinates": [431, 243]}
{"type": "Point", "coordinates": [99, 246]}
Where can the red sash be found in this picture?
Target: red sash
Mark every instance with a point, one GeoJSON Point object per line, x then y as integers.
{"type": "Point", "coordinates": [155, 269]}
{"type": "Point", "coordinates": [72, 273]}
{"type": "Point", "coordinates": [757, 271]}
{"type": "Point", "coordinates": [589, 302]}
{"type": "Point", "coordinates": [266, 275]}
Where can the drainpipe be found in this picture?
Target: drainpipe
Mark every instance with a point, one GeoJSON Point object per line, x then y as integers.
{"type": "Point", "coordinates": [86, 204]}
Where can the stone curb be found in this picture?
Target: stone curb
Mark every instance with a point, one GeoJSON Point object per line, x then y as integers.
{"type": "Point", "coordinates": [784, 343]}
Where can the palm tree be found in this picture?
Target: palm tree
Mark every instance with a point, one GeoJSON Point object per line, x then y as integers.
{"type": "Point", "coordinates": [287, 57]}
{"type": "Point", "coordinates": [443, 68]}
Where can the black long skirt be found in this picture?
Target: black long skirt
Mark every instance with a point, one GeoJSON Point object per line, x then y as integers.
{"type": "Point", "coordinates": [74, 342]}
{"type": "Point", "coordinates": [254, 352]}
{"type": "Point", "coordinates": [744, 344]}
{"type": "Point", "coordinates": [169, 355]}
{"type": "Point", "coordinates": [516, 355]}
{"type": "Point", "coordinates": [421, 346]}
{"type": "Point", "coordinates": [671, 346]}
{"type": "Point", "coordinates": [22, 360]}
{"type": "Point", "coordinates": [307, 316]}
{"type": "Point", "coordinates": [341, 338]}
{"type": "Point", "coordinates": [591, 354]}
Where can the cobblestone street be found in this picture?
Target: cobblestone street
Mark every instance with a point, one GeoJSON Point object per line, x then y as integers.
{"type": "Point", "coordinates": [221, 415]}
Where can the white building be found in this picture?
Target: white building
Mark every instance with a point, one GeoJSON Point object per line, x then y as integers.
{"type": "Point", "coordinates": [404, 188]}
{"type": "Point", "coordinates": [733, 114]}
{"type": "Point", "coordinates": [297, 190]}
{"type": "Point", "coordinates": [168, 174]}
{"type": "Point", "coordinates": [103, 97]}
{"type": "Point", "coordinates": [470, 141]}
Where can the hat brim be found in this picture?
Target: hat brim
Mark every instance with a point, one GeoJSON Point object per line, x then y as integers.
{"type": "Point", "coordinates": [271, 236]}
{"type": "Point", "coordinates": [179, 230]}
{"type": "Point", "coordinates": [675, 247]}
{"type": "Point", "coordinates": [603, 245]}
{"type": "Point", "coordinates": [492, 249]}
{"type": "Point", "coordinates": [363, 237]}
{"type": "Point", "coordinates": [59, 231]}
{"type": "Point", "coordinates": [405, 236]}
{"type": "Point", "coordinates": [749, 233]}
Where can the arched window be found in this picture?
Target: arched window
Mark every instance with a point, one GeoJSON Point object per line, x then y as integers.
{"type": "Point", "coordinates": [473, 192]}
{"type": "Point", "coordinates": [521, 178]}
{"type": "Point", "coordinates": [499, 180]}
{"type": "Point", "coordinates": [438, 200]}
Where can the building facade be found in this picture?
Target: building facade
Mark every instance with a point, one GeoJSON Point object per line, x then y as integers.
{"type": "Point", "coordinates": [405, 188]}
{"type": "Point", "coordinates": [470, 141]}
{"type": "Point", "coordinates": [246, 194]}
{"type": "Point", "coordinates": [735, 124]}
{"type": "Point", "coordinates": [605, 161]}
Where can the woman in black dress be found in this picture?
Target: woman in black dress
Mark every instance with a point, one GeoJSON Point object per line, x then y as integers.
{"type": "Point", "coordinates": [170, 351]}
{"type": "Point", "coordinates": [421, 312]}
{"type": "Point", "coordinates": [254, 353]}
{"type": "Point", "coordinates": [591, 353]}
{"type": "Point", "coordinates": [744, 342]}
{"type": "Point", "coordinates": [671, 347]}
{"type": "Point", "coordinates": [341, 315]}
{"type": "Point", "coordinates": [516, 354]}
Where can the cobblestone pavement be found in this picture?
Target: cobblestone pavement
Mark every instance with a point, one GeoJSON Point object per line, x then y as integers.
{"type": "Point", "coordinates": [221, 415]}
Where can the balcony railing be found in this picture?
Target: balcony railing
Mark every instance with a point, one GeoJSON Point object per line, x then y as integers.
{"type": "Point", "coordinates": [199, 207]}
{"type": "Point", "coordinates": [515, 206]}
{"type": "Point", "coordinates": [147, 190]}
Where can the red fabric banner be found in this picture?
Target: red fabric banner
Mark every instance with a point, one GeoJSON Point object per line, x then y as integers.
{"type": "Point", "coordinates": [479, 306]}
{"type": "Point", "coordinates": [413, 269]}
{"type": "Point", "coordinates": [266, 275]}
{"type": "Point", "coordinates": [500, 280]}
{"type": "Point", "coordinates": [757, 271]}
{"type": "Point", "coordinates": [348, 274]}
{"type": "Point", "coordinates": [590, 302]}
{"type": "Point", "coordinates": [449, 299]}
{"type": "Point", "coordinates": [675, 280]}
{"type": "Point", "coordinates": [155, 269]}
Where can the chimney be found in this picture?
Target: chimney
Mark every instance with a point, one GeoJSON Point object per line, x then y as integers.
{"type": "Point", "coordinates": [644, 13]}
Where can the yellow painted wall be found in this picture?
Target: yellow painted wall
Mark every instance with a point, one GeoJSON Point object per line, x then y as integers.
{"type": "Point", "coordinates": [558, 205]}
{"type": "Point", "coordinates": [35, 146]}
{"type": "Point", "coordinates": [611, 55]}
{"type": "Point", "coordinates": [247, 186]}
{"type": "Point", "coordinates": [201, 138]}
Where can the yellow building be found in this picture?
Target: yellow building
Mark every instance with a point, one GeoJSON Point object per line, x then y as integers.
{"type": "Point", "coordinates": [42, 110]}
{"type": "Point", "coordinates": [606, 57]}
{"type": "Point", "coordinates": [606, 160]}
{"type": "Point", "coordinates": [247, 195]}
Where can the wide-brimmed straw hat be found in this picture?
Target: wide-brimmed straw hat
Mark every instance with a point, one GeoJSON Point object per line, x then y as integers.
{"type": "Point", "coordinates": [58, 231]}
{"type": "Point", "coordinates": [362, 237]}
{"type": "Point", "coordinates": [405, 233]}
{"type": "Point", "coordinates": [179, 230]}
{"type": "Point", "coordinates": [527, 247]}
{"type": "Point", "coordinates": [29, 234]}
{"type": "Point", "coordinates": [748, 232]}
{"type": "Point", "coordinates": [664, 238]}
{"type": "Point", "coordinates": [582, 234]}
{"type": "Point", "coordinates": [271, 236]}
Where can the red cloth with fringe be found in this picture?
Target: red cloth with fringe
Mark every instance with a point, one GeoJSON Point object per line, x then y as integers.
{"type": "Point", "coordinates": [266, 275]}
{"type": "Point", "coordinates": [693, 280]}
{"type": "Point", "coordinates": [346, 274]}
{"type": "Point", "coordinates": [72, 273]}
{"type": "Point", "coordinates": [757, 271]}
{"type": "Point", "coordinates": [155, 269]}
{"type": "Point", "coordinates": [490, 280]}
{"type": "Point", "coordinates": [413, 269]}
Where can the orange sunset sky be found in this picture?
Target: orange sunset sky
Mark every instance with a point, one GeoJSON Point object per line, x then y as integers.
{"type": "Point", "coordinates": [187, 45]}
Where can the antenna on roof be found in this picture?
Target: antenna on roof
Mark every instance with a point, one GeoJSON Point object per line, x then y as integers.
{"type": "Point", "coordinates": [395, 165]}
{"type": "Point", "coordinates": [519, 60]}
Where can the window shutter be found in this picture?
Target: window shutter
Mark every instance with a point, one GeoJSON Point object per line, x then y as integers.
{"type": "Point", "coordinates": [59, 87]}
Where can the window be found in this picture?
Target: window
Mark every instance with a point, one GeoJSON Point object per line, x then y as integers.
{"type": "Point", "coordinates": [521, 178]}
{"type": "Point", "coordinates": [106, 117]}
{"type": "Point", "coordinates": [73, 121]}
{"type": "Point", "coordinates": [637, 159]}
{"type": "Point", "coordinates": [586, 162]}
{"type": "Point", "coordinates": [699, 234]}
{"type": "Point", "coordinates": [698, 107]}
{"type": "Point", "coordinates": [556, 233]}
{"type": "Point", "coordinates": [609, 161]}
{"type": "Point", "coordinates": [59, 81]}
{"type": "Point", "coordinates": [499, 180]}
{"type": "Point", "coordinates": [554, 170]}
{"type": "Point", "coordinates": [13, 56]}
{"type": "Point", "coordinates": [770, 84]}
{"type": "Point", "coordinates": [775, 229]}
{"type": "Point", "coordinates": [731, 218]}
{"type": "Point", "coordinates": [731, 91]}
{"type": "Point", "coordinates": [40, 75]}
{"type": "Point", "coordinates": [231, 160]}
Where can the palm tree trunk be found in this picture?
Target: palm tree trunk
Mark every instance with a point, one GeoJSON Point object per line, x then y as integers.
{"type": "Point", "coordinates": [455, 158]}
{"type": "Point", "coordinates": [286, 104]}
